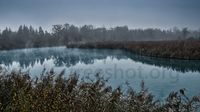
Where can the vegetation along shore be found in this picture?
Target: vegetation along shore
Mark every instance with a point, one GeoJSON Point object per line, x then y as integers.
{"type": "Point", "coordinates": [184, 49]}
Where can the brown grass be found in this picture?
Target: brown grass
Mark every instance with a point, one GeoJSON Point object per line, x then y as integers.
{"type": "Point", "coordinates": [185, 49]}
{"type": "Point", "coordinates": [54, 93]}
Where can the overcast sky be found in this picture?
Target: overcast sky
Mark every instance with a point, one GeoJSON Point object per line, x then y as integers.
{"type": "Point", "coordinates": [108, 13]}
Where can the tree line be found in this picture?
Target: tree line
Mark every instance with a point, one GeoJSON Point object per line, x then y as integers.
{"type": "Point", "coordinates": [27, 36]}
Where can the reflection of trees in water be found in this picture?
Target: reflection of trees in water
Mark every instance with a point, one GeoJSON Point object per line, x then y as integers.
{"type": "Point", "coordinates": [174, 64]}
{"type": "Point", "coordinates": [70, 57]}
{"type": "Point", "coordinates": [60, 56]}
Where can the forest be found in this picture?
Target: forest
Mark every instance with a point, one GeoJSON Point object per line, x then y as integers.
{"type": "Point", "coordinates": [28, 37]}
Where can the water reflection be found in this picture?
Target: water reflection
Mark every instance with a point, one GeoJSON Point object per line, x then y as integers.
{"type": "Point", "coordinates": [161, 75]}
{"type": "Point", "coordinates": [174, 64]}
{"type": "Point", "coordinates": [62, 56]}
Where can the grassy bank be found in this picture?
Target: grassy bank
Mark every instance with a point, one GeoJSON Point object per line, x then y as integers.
{"type": "Point", "coordinates": [52, 93]}
{"type": "Point", "coordinates": [185, 49]}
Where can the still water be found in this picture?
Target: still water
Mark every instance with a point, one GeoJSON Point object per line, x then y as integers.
{"type": "Point", "coordinates": [161, 76]}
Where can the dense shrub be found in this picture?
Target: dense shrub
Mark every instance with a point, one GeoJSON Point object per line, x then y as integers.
{"type": "Point", "coordinates": [53, 92]}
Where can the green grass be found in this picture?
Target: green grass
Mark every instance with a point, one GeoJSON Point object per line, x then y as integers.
{"type": "Point", "coordinates": [53, 93]}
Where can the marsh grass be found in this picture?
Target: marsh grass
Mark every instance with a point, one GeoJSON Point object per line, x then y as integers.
{"type": "Point", "coordinates": [53, 92]}
{"type": "Point", "coordinates": [177, 49]}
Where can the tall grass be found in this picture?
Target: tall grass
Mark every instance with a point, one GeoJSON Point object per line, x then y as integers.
{"type": "Point", "coordinates": [53, 93]}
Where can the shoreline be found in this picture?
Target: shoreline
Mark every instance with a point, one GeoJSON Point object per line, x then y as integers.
{"type": "Point", "coordinates": [174, 49]}
{"type": "Point", "coordinates": [181, 50]}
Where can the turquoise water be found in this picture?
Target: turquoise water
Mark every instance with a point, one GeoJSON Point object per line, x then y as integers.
{"type": "Point", "coordinates": [161, 76]}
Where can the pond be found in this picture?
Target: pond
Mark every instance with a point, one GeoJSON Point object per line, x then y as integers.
{"type": "Point", "coordinates": [161, 76]}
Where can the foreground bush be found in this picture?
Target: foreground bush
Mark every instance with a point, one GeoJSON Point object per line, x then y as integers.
{"type": "Point", "coordinates": [52, 93]}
